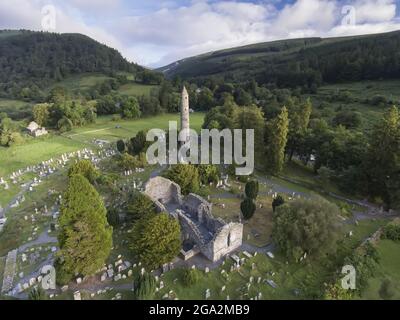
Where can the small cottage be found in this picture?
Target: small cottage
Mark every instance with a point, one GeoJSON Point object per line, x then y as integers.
{"type": "Point", "coordinates": [35, 130]}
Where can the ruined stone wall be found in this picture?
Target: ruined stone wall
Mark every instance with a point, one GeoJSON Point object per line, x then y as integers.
{"type": "Point", "coordinates": [231, 234]}
{"type": "Point", "coordinates": [163, 190]}
{"type": "Point", "coordinates": [189, 227]}
{"type": "Point", "coordinates": [197, 206]}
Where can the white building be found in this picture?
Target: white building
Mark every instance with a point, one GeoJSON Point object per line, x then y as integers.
{"type": "Point", "coordinates": [35, 130]}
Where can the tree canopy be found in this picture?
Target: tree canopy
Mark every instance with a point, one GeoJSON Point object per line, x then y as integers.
{"type": "Point", "coordinates": [85, 237]}
{"type": "Point", "coordinates": [156, 240]}
{"type": "Point", "coordinates": [306, 226]}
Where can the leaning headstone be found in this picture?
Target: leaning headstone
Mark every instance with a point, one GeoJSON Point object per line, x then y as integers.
{"type": "Point", "coordinates": [208, 293]}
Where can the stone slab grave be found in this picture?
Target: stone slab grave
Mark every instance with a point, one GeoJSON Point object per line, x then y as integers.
{"type": "Point", "coordinates": [272, 283]}
{"type": "Point", "coordinates": [235, 258]}
{"type": "Point", "coordinates": [9, 271]}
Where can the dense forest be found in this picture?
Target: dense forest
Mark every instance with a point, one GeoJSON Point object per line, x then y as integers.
{"type": "Point", "coordinates": [305, 63]}
{"type": "Point", "coordinates": [30, 61]}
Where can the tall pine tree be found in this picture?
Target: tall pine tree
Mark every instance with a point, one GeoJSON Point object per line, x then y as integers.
{"type": "Point", "coordinates": [277, 134]}
{"type": "Point", "coordinates": [384, 159]}
{"type": "Point", "coordinates": [85, 236]}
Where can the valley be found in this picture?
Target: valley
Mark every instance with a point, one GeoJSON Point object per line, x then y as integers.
{"type": "Point", "coordinates": [77, 193]}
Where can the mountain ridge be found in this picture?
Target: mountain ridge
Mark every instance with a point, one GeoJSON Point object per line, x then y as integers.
{"type": "Point", "coordinates": [35, 59]}
{"type": "Point", "coordinates": [268, 61]}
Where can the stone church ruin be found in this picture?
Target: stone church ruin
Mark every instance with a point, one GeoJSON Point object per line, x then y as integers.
{"type": "Point", "coordinates": [200, 231]}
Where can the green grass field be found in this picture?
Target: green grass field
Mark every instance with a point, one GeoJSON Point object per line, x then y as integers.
{"type": "Point", "coordinates": [109, 130]}
{"type": "Point", "coordinates": [37, 150]}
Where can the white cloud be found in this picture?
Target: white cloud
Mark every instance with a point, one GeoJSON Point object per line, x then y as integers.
{"type": "Point", "coordinates": [370, 11]}
{"type": "Point", "coordinates": [318, 15]}
{"type": "Point", "coordinates": [158, 32]}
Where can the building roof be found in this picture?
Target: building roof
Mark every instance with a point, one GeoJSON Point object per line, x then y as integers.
{"type": "Point", "coordinates": [33, 126]}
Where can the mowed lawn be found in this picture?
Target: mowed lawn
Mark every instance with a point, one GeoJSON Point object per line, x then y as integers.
{"type": "Point", "coordinates": [106, 129]}
{"type": "Point", "coordinates": [34, 151]}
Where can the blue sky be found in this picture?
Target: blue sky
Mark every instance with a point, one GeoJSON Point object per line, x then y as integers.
{"type": "Point", "coordinates": [158, 32]}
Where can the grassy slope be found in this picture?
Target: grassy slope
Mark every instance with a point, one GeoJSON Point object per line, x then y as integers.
{"type": "Point", "coordinates": [135, 89]}
{"type": "Point", "coordinates": [360, 91]}
{"type": "Point", "coordinates": [389, 253]}
{"type": "Point", "coordinates": [86, 81]}
{"type": "Point", "coordinates": [80, 82]}
{"type": "Point", "coordinates": [16, 109]}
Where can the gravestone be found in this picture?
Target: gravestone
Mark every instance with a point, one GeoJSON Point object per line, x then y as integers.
{"type": "Point", "coordinates": [208, 294]}
{"type": "Point", "coordinates": [77, 295]}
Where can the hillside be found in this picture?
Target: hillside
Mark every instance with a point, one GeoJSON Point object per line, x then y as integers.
{"type": "Point", "coordinates": [299, 62]}
{"type": "Point", "coordinates": [31, 61]}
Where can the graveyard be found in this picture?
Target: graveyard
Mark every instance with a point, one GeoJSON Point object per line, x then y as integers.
{"type": "Point", "coordinates": [29, 241]}
{"type": "Point", "coordinates": [32, 198]}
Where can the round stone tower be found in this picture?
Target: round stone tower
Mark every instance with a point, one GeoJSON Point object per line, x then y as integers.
{"type": "Point", "coordinates": [185, 125]}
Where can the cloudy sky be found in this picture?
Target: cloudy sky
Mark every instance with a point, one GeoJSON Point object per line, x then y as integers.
{"type": "Point", "coordinates": [157, 32]}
